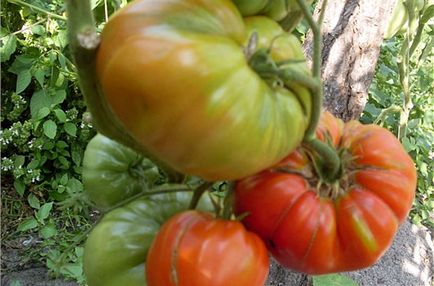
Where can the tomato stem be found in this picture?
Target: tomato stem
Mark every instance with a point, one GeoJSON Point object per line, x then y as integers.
{"type": "Point", "coordinates": [197, 194]}
{"type": "Point", "coordinates": [330, 161]}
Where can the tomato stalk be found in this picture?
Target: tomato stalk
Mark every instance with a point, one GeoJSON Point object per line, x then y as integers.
{"type": "Point", "coordinates": [84, 42]}
{"type": "Point", "coordinates": [197, 194]}
{"type": "Point", "coordinates": [332, 161]}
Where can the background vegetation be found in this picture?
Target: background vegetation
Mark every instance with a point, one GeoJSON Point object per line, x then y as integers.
{"type": "Point", "coordinates": [45, 129]}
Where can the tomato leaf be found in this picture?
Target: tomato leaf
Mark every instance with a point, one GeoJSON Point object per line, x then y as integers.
{"type": "Point", "coordinates": [333, 280]}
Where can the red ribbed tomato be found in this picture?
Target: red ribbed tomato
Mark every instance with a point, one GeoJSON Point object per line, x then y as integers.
{"type": "Point", "coordinates": [316, 227]}
{"type": "Point", "coordinates": [194, 249]}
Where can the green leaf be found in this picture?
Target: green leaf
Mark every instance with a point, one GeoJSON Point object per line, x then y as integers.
{"type": "Point", "coordinates": [61, 144]}
{"type": "Point", "coordinates": [70, 128]}
{"type": "Point", "coordinates": [76, 157]}
{"type": "Point", "coordinates": [39, 100]}
{"type": "Point", "coordinates": [33, 201]}
{"type": "Point", "coordinates": [333, 280]}
{"type": "Point", "coordinates": [8, 47]}
{"type": "Point", "coordinates": [27, 224]}
{"type": "Point", "coordinates": [33, 164]}
{"type": "Point", "coordinates": [59, 97]}
{"type": "Point", "coordinates": [74, 186]}
{"type": "Point", "coordinates": [38, 30]}
{"type": "Point", "coordinates": [39, 75]}
{"type": "Point", "coordinates": [19, 161]}
{"type": "Point", "coordinates": [48, 231]}
{"type": "Point", "coordinates": [23, 80]}
{"type": "Point", "coordinates": [42, 113]}
{"type": "Point", "coordinates": [60, 114]}
{"type": "Point", "coordinates": [74, 270]}
{"type": "Point", "coordinates": [44, 211]}
{"type": "Point", "coordinates": [19, 187]}
{"type": "Point", "coordinates": [50, 129]}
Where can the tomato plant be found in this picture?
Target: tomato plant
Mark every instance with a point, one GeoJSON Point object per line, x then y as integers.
{"type": "Point", "coordinates": [113, 172]}
{"type": "Point", "coordinates": [176, 76]}
{"type": "Point", "coordinates": [194, 249]}
{"type": "Point", "coordinates": [320, 226]}
{"type": "Point", "coordinates": [115, 251]}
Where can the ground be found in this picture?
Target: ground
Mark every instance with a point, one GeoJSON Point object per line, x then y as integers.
{"type": "Point", "coordinates": [409, 262]}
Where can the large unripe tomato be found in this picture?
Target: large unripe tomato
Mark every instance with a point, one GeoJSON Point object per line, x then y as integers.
{"type": "Point", "coordinates": [194, 249]}
{"type": "Point", "coordinates": [175, 74]}
{"type": "Point", "coordinates": [113, 172]}
{"type": "Point", "coordinates": [316, 227]}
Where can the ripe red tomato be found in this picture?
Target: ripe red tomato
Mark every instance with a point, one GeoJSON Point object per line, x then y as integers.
{"type": "Point", "coordinates": [194, 249]}
{"type": "Point", "coordinates": [318, 228]}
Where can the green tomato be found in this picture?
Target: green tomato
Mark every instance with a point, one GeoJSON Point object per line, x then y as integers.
{"type": "Point", "coordinates": [174, 73]}
{"type": "Point", "coordinates": [287, 11]}
{"type": "Point", "coordinates": [116, 249]}
{"type": "Point", "coordinates": [113, 172]}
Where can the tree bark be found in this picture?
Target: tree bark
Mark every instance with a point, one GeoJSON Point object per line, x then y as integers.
{"type": "Point", "coordinates": [352, 35]}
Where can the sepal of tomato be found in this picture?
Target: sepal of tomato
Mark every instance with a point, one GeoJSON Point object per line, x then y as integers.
{"type": "Point", "coordinates": [175, 75]}
{"type": "Point", "coordinates": [113, 172]}
{"type": "Point", "coordinates": [116, 249]}
{"type": "Point", "coordinates": [194, 249]}
{"type": "Point", "coordinates": [324, 228]}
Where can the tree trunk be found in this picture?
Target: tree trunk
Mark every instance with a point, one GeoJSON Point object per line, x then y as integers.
{"type": "Point", "coordinates": [352, 34]}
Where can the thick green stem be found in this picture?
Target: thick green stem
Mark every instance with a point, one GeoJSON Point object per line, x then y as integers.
{"type": "Point", "coordinates": [330, 161]}
{"type": "Point", "coordinates": [84, 42]}
{"type": "Point", "coordinates": [38, 9]}
{"type": "Point", "coordinates": [385, 112]}
{"type": "Point", "coordinates": [198, 192]}
{"type": "Point", "coordinates": [228, 202]}
{"type": "Point", "coordinates": [317, 93]}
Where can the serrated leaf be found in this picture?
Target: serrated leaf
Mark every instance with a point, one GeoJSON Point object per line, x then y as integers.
{"type": "Point", "coordinates": [27, 224]}
{"type": "Point", "coordinates": [23, 80]}
{"type": "Point", "coordinates": [50, 128]}
{"type": "Point", "coordinates": [9, 45]}
{"type": "Point", "coordinates": [33, 201]}
{"type": "Point", "coordinates": [60, 114]}
{"type": "Point", "coordinates": [333, 280]}
{"type": "Point", "coordinates": [61, 144]}
{"type": "Point", "coordinates": [39, 100]}
{"type": "Point", "coordinates": [70, 128]}
{"type": "Point", "coordinates": [19, 187]}
{"type": "Point", "coordinates": [48, 231]}
{"type": "Point", "coordinates": [44, 211]}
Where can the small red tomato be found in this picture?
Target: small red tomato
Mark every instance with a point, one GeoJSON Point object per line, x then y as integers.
{"type": "Point", "coordinates": [194, 249]}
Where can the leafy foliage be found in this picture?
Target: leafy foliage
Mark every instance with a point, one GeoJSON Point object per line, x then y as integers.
{"type": "Point", "coordinates": [44, 132]}
{"type": "Point", "coordinates": [384, 106]}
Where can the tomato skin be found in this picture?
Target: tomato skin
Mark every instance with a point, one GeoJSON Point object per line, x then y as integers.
{"type": "Point", "coordinates": [113, 172]}
{"type": "Point", "coordinates": [314, 233]}
{"type": "Point", "coordinates": [116, 249]}
{"type": "Point", "coordinates": [161, 71]}
{"type": "Point", "coordinates": [194, 249]}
